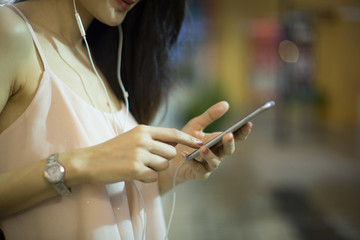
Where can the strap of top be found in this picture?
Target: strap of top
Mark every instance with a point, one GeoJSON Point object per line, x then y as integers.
{"type": "Point", "coordinates": [35, 39]}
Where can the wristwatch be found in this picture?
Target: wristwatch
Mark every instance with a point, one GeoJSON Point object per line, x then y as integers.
{"type": "Point", "coordinates": [54, 172]}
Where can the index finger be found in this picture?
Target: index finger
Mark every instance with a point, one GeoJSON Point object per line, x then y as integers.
{"type": "Point", "coordinates": [174, 136]}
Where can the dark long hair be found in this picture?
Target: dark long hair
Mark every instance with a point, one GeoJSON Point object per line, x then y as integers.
{"type": "Point", "coordinates": [150, 30]}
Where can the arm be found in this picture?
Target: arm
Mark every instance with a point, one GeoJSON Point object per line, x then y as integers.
{"type": "Point", "coordinates": [138, 154]}
{"type": "Point", "coordinates": [15, 48]}
{"type": "Point", "coordinates": [15, 44]}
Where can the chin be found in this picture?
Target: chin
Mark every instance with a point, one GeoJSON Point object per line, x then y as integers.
{"type": "Point", "coordinates": [113, 19]}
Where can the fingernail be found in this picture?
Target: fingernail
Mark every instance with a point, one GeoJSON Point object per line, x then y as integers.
{"type": "Point", "coordinates": [199, 142]}
{"type": "Point", "coordinates": [184, 154]}
{"type": "Point", "coordinates": [231, 138]}
{"type": "Point", "coordinates": [206, 151]}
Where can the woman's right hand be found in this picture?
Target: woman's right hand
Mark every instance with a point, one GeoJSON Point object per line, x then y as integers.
{"type": "Point", "coordinates": [138, 154]}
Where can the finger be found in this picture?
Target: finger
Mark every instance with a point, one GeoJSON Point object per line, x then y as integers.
{"type": "Point", "coordinates": [213, 113]}
{"type": "Point", "coordinates": [156, 163]}
{"type": "Point", "coordinates": [199, 170]}
{"type": "Point", "coordinates": [147, 166]}
{"type": "Point", "coordinates": [172, 135]}
{"type": "Point", "coordinates": [164, 150]}
{"type": "Point", "coordinates": [243, 132]}
{"type": "Point", "coordinates": [228, 144]}
{"type": "Point", "coordinates": [147, 175]}
{"type": "Point", "coordinates": [209, 159]}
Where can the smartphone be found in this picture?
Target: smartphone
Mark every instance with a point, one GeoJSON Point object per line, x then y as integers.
{"type": "Point", "coordinates": [217, 140]}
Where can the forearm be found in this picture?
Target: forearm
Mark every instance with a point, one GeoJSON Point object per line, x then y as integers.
{"type": "Point", "coordinates": [26, 186]}
{"type": "Point", "coordinates": [166, 180]}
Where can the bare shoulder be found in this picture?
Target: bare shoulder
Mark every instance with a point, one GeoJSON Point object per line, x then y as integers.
{"type": "Point", "coordinates": [15, 46]}
{"type": "Point", "coordinates": [15, 36]}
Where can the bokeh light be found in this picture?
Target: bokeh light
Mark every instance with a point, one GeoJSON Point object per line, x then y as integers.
{"type": "Point", "coordinates": [288, 51]}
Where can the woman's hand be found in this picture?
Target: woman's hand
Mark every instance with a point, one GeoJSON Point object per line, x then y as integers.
{"type": "Point", "coordinates": [208, 161]}
{"type": "Point", "coordinates": [135, 155]}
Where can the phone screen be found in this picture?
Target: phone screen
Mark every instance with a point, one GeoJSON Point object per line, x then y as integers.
{"type": "Point", "coordinates": [233, 128]}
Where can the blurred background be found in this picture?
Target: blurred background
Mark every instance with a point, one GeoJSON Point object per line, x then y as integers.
{"type": "Point", "coordinates": [297, 176]}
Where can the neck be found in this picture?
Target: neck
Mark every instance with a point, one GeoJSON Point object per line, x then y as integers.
{"type": "Point", "coordinates": [58, 17]}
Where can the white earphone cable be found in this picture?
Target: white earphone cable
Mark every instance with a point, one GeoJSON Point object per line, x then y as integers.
{"type": "Point", "coordinates": [125, 94]}
{"type": "Point", "coordinates": [143, 205]}
{"type": "Point", "coordinates": [82, 31]}
{"type": "Point", "coordinates": [173, 200]}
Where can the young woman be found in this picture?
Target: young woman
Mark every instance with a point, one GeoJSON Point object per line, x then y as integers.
{"type": "Point", "coordinates": [72, 164]}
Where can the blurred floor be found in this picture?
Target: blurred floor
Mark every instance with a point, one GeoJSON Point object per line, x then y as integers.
{"type": "Point", "coordinates": [304, 185]}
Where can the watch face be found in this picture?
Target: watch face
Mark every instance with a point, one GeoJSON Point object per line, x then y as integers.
{"type": "Point", "coordinates": [54, 173]}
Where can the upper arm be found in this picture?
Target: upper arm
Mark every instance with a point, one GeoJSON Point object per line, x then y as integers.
{"type": "Point", "coordinates": [15, 43]}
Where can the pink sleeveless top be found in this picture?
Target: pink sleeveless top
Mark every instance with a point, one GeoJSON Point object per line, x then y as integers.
{"type": "Point", "coordinates": [58, 120]}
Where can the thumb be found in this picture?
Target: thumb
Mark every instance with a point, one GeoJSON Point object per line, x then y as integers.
{"type": "Point", "coordinates": [209, 116]}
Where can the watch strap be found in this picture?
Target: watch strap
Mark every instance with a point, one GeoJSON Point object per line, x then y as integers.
{"type": "Point", "coordinates": [62, 188]}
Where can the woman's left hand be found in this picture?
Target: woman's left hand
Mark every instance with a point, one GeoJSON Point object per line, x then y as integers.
{"type": "Point", "coordinates": [208, 160]}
